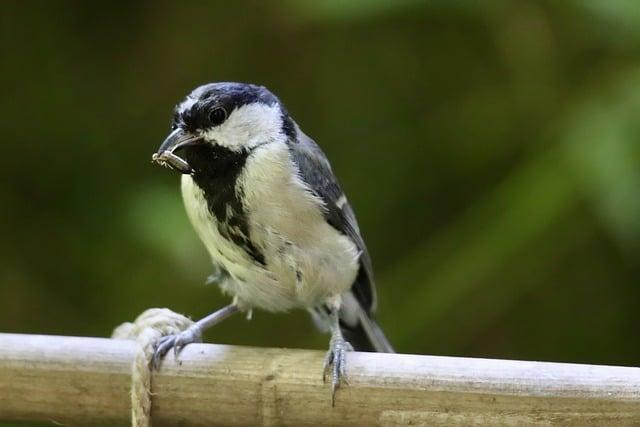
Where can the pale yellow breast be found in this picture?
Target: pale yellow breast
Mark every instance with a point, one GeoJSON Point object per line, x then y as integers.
{"type": "Point", "coordinates": [282, 209]}
{"type": "Point", "coordinates": [307, 260]}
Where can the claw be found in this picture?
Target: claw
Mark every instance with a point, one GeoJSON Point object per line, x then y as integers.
{"type": "Point", "coordinates": [335, 361]}
{"type": "Point", "coordinates": [175, 341]}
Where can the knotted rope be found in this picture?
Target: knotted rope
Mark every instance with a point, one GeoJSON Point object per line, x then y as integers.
{"type": "Point", "coordinates": [146, 330]}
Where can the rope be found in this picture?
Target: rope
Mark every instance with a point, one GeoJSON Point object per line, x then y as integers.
{"type": "Point", "coordinates": [146, 330]}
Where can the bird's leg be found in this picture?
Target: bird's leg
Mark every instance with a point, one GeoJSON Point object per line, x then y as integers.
{"type": "Point", "coordinates": [190, 335]}
{"type": "Point", "coordinates": [335, 359]}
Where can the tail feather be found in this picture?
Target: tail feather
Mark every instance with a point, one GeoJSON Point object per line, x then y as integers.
{"type": "Point", "coordinates": [357, 326]}
{"type": "Point", "coordinates": [360, 329]}
{"type": "Point", "coordinates": [366, 335]}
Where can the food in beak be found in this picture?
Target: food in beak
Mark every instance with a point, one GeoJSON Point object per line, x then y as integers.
{"type": "Point", "coordinates": [170, 160]}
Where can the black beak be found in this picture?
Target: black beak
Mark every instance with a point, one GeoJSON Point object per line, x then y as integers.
{"type": "Point", "coordinates": [165, 155]}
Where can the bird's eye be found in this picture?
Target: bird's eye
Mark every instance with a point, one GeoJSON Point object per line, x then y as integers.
{"type": "Point", "coordinates": [217, 116]}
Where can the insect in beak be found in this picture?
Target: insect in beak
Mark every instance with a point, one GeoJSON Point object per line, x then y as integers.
{"type": "Point", "coordinates": [165, 155]}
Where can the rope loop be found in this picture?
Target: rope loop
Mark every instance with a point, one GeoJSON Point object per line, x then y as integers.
{"type": "Point", "coordinates": [146, 330]}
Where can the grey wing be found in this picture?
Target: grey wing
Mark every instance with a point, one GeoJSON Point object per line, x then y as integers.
{"type": "Point", "coordinates": [316, 171]}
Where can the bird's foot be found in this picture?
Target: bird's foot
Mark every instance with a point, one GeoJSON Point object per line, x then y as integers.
{"type": "Point", "coordinates": [335, 363]}
{"type": "Point", "coordinates": [175, 341]}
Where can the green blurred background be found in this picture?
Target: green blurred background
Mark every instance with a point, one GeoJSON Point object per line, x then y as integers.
{"type": "Point", "coordinates": [491, 150]}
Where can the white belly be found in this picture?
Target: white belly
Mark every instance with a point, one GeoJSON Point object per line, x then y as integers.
{"type": "Point", "coordinates": [306, 260]}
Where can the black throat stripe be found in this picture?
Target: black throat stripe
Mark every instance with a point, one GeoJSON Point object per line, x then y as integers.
{"type": "Point", "coordinates": [216, 173]}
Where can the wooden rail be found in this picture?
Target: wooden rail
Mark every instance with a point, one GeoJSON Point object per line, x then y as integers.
{"type": "Point", "coordinates": [85, 381]}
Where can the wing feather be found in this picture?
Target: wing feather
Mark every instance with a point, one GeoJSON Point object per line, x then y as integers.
{"type": "Point", "coordinates": [315, 170]}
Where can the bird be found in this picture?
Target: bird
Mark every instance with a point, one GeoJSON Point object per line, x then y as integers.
{"type": "Point", "coordinates": [281, 233]}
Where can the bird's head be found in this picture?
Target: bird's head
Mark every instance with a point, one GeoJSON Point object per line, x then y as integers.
{"type": "Point", "coordinates": [222, 120]}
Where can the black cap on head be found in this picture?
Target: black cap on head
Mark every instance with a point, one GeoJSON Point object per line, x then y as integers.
{"type": "Point", "coordinates": [194, 112]}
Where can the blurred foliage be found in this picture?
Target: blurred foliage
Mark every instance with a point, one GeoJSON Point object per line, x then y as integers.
{"type": "Point", "coordinates": [490, 148]}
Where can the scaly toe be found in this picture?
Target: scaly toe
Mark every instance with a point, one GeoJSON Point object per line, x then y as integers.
{"type": "Point", "coordinates": [175, 341]}
{"type": "Point", "coordinates": [335, 362]}
{"type": "Point", "coordinates": [161, 348]}
{"type": "Point", "coordinates": [328, 361]}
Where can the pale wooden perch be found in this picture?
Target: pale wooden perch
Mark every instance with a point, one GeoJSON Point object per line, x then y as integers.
{"type": "Point", "coordinates": [82, 381]}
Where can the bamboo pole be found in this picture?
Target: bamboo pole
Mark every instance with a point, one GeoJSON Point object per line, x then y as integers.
{"type": "Point", "coordinates": [85, 381]}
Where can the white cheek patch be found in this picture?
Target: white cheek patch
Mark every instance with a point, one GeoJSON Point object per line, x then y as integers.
{"type": "Point", "coordinates": [248, 126]}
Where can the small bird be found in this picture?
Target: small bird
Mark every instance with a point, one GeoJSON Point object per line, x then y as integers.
{"type": "Point", "coordinates": [263, 199]}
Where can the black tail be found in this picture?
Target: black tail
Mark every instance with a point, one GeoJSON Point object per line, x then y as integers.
{"type": "Point", "coordinates": [360, 329]}
{"type": "Point", "coordinates": [362, 341]}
